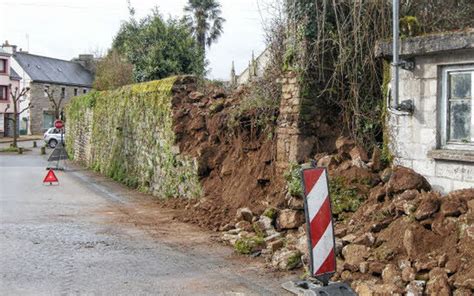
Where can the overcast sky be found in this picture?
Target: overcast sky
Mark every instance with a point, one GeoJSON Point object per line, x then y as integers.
{"type": "Point", "coordinates": [66, 28]}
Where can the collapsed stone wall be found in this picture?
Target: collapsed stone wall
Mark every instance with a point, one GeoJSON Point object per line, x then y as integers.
{"type": "Point", "coordinates": [304, 127]}
{"type": "Point", "coordinates": [127, 134]}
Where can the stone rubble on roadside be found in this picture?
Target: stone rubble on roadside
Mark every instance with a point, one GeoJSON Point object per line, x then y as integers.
{"type": "Point", "coordinates": [404, 239]}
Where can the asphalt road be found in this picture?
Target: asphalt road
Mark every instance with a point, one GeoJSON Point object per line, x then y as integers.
{"type": "Point", "coordinates": [90, 236]}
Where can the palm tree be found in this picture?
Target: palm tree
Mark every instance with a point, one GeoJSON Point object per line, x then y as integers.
{"type": "Point", "coordinates": [204, 18]}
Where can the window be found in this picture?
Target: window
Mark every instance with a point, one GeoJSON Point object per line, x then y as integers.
{"type": "Point", "coordinates": [46, 89]}
{"type": "Point", "coordinates": [3, 92]}
{"type": "Point", "coordinates": [458, 107]}
{"type": "Point", "coordinates": [63, 92]}
{"type": "Point", "coordinates": [84, 91]}
{"type": "Point", "coordinates": [3, 66]}
{"type": "Point", "coordinates": [75, 92]}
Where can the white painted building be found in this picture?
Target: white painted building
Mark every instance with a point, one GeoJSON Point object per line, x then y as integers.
{"type": "Point", "coordinates": [256, 68]}
{"type": "Point", "coordinates": [437, 138]}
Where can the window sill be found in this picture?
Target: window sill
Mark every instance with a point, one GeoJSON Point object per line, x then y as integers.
{"type": "Point", "coordinates": [453, 155]}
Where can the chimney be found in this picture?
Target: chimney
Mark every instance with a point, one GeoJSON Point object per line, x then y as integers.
{"type": "Point", "coordinates": [11, 49]}
{"type": "Point", "coordinates": [87, 61]}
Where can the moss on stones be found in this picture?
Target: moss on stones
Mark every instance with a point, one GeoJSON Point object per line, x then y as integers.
{"type": "Point", "coordinates": [130, 138]}
{"type": "Point", "coordinates": [294, 261]}
{"type": "Point", "coordinates": [249, 245]}
{"type": "Point", "coordinates": [271, 213]}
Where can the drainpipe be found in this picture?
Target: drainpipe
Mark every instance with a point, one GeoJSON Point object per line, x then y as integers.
{"type": "Point", "coordinates": [396, 58]}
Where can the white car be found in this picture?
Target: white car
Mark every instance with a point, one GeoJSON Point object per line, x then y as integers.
{"type": "Point", "coordinates": [52, 137]}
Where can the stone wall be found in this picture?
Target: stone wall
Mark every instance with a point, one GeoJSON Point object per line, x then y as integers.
{"type": "Point", "coordinates": [80, 132]}
{"type": "Point", "coordinates": [415, 139]}
{"type": "Point", "coordinates": [305, 127]}
{"type": "Point", "coordinates": [289, 137]}
{"type": "Point", "coordinates": [127, 134]}
{"type": "Point", "coordinates": [41, 104]}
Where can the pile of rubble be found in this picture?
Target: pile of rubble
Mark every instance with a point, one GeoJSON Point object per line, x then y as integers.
{"type": "Point", "coordinates": [394, 235]}
{"type": "Point", "coordinates": [403, 238]}
{"type": "Point", "coordinates": [276, 235]}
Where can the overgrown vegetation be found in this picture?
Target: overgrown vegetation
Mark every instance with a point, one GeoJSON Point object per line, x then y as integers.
{"type": "Point", "coordinates": [335, 60]}
{"type": "Point", "coordinates": [439, 15]}
{"type": "Point", "coordinates": [331, 46]}
{"type": "Point", "coordinates": [258, 110]}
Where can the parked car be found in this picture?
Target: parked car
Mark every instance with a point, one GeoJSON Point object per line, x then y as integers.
{"type": "Point", "coordinates": [52, 137]}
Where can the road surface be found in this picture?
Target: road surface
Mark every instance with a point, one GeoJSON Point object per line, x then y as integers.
{"type": "Point", "coordinates": [90, 236]}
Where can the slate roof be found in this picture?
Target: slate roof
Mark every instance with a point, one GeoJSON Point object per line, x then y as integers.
{"type": "Point", "coordinates": [14, 75]}
{"type": "Point", "coordinates": [55, 71]}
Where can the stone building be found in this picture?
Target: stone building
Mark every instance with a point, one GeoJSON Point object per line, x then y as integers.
{"type": "Point", "coordinates": [255, 69]}
{"type": "Point", "coordinates": [9, 81]}
{"type": "Point", "coordinates": [436, 138]}
{"type": "Point", "coordinates": [43, 75]}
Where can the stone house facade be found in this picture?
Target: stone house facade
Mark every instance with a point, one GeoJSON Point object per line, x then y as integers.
{"type": "Point", "coordinates": [45, 75]}
{"type": "Point", "coordinates": [41, 113]}
{"type": "Point", "coordinates": [436, 139]}
{"type": "Point", "coordinates": [9, 82]}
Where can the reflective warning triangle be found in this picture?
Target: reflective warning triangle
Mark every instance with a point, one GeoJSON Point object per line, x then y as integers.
{"type": "Point", "coordinates": [50, 177]}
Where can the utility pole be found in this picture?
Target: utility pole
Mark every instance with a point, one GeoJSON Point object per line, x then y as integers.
{"type": "Point", "coordinates": [396, 48]}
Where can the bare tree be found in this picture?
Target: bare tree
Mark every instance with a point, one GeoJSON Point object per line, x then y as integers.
{"type": "Point", "coordinates": [18, 96]}
{"type": "Point", "coordinates": [113, 71]}
{"type": "Point", "coordinates": [56, 103]}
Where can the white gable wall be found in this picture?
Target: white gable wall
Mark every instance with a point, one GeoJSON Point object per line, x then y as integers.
{"type": "Point", "coordinates": [415, 139]}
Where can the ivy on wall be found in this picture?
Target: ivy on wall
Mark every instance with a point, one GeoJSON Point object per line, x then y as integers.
{"type": "Point", "coordinates": [131, 139]}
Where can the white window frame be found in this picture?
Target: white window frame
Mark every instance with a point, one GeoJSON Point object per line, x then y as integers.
{"type": "Point", "coordinates": [444, 104]}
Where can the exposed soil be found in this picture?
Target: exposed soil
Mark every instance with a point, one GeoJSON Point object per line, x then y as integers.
{"type": "Point", "coordinates": [236, 164]}
{"type": "Point", "coordinates": [398, 235]}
